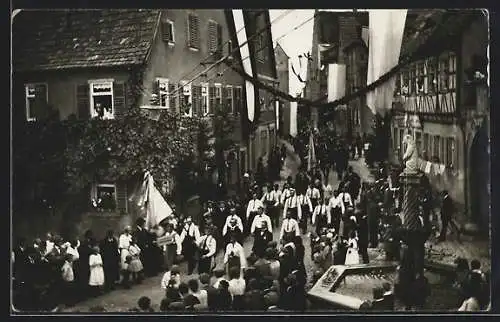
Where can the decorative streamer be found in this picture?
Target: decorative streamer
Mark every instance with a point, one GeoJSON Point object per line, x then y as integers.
{"type": "Point", "coordinates": [336, 81]}
{"type": "Point", "coordinates": [293, 119]}
{"type": "Point", "coordinates": [239, 23]}
{"type": "Point", "coordinates": [386, 29]}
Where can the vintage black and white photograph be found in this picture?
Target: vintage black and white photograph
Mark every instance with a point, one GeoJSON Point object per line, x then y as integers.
{"type": "Point", "coordinates": [250, 160]}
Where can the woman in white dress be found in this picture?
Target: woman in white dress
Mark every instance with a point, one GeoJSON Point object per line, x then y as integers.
{"type": "Point", "coordinates": [96, 279]}
{"type": "Point", "coordinates": [352, 257]}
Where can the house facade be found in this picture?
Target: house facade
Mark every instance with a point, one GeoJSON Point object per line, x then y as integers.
{"type": "Point", "coordinates": [442, 101]}
{"type": "Point", "coordinates": [333, 33]}
{"type": "Point", "coordinates": [282, 68]}
{"type": "Point", "coordinates": [82, 63]}
{"type": "Point", "coordinates": [262, 133]}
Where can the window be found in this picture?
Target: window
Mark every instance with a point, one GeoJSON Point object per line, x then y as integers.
{"type": "Point", "coordinates": [405, 78]}
{"type": "Point", "coordinates": [101, 99]}
{"type": "Point", "coordinates": [205, 110]}
{"type": "Point", "coordinates": [218, 97]}
{"type": "Point", "coordinates": [229, 99]}
{"type": "Point", "coordinates": [420, 77]}
{"type": "Point", "coordinates": [431, 82]}
{"type": "Point", "coordinates": [442, 150]}
{"type": "Point", "coordinates": [425, 147]}
{"type": "Point", "coordinates": [397, 87]}
{"type": "Point", "coordinates": [418, 141]}
{"type": "Point", "coordinates": [163, 94]}
{"type": "Point", "coordinates": [173, 94]}
{"type": "Point", "coordinates": [452, 71]}
{"type": "Point", "coordinates": [395, 137]}
{"type": "Point", "coordinates": [436, 149]}
{"type": "Point", "coordinates": [450, 152]}
{"type": "Point", "coordinates": [238, 99]}
{"type": "Point", "coordinates": [259, 44]}
{"type": "Point", "coordinates": [103, 197]}
{"type": "Point", "coordinates": [168, 32]}
{"type": "Point", "coordinates": [413, 78]}
{"type": "Point", "coordinates": [187, 103]}
{"type": "Point", "coordinates": [36, 100]}
{"type": "Point", "coordinates": [214, 37]}
{"type": "Point", "coordinates": [444, 68]}
{"type": "Point", "coordinates": [401, 145]}
{"type": "Point", "coordinates": [193, 32]}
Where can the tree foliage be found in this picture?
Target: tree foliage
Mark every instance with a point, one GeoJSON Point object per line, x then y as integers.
{"type": "Point", "coordinates": [64, 157]}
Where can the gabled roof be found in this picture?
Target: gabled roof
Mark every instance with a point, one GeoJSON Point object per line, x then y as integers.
{"type": "Point", "coordinates": [436, 27]}
{"type": "Point", "coordinates": [64, 39]}
{"type": "Point", "coordinates": [278, 47]}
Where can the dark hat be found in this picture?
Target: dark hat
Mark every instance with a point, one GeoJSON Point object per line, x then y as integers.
{"type": "Point", "coordinates": [177, 306]}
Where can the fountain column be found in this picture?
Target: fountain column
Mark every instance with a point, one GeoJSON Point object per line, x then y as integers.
{"type": "Point", "coordinates": [413, 232]}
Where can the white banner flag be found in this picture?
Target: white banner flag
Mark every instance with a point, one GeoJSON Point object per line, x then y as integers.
{"type": "Point", "coordinates": [293, 119]}
{"type": "Point", "coordinates": [386, 29]}
{"type": "Point", "coordinates": [239, 24]}
{"type": "Point", "coordinates": [336, 81]}
{"type": "Point", "coordinates": [157, 208]}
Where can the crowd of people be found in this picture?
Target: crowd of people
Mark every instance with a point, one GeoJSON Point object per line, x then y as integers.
{"type": "Point", "coordinates": [341, 222]}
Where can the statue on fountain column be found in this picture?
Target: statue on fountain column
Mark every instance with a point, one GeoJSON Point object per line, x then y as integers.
{"type": "Point", "coordinates": [410, 157]}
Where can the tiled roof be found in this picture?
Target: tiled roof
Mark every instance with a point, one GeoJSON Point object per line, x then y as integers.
{"type": "Point", "coordinates": [434, 27]}
{"type": "Point", "coordinates": [62, 39]}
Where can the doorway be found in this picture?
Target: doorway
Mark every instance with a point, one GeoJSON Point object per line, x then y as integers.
{"type": "Point", "coordinates": [480, 179]}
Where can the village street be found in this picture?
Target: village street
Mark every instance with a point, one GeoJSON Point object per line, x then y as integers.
{"type": "Point", "coordinates": [122, 300]}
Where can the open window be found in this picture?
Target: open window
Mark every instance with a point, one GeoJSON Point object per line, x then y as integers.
{"type": "Point", "coordinates": [101, 99]}
{"type": "Point", "coordinates": [187, 99]}
{"type": "Point", "coordinates": [36, 100]}
{"type": "Point", "coordinates": [168, 32]}
{"type": "Point", "coordinates": [104, 197]}
{"type": "Point", "coordinates": [162, 86]}
{"type": "Point", "coordinates": [205, 103]}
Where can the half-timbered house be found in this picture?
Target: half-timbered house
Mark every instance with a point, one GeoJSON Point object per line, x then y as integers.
{"type": "Point", "coordinates": [441, 99]}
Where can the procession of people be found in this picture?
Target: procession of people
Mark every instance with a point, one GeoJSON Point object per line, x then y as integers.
{"type": "Point", "coordinates": [341, 223]}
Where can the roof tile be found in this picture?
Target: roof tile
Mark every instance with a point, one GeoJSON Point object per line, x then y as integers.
{"type": "Point", "coordinates": [61, 39]}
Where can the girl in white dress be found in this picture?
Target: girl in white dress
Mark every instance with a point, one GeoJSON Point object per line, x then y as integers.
{"type": "Point", "coordinates": [96, 279]}
{"type": "Point", "coordinates": [135, 265]}
{"type": "Point", "coordinates": [352, 257]}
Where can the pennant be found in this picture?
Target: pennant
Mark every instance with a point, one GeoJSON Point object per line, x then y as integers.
{"type": "Point", "coordinates": [293, 119]}
{"type": "Point", "coordinates": [386, 29]}
{"type": "Point", "coordinates": [239, 24]}
{"type": "Point", "coordinates": [277, 112]}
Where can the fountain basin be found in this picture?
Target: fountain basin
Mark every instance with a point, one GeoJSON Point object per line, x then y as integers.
{"type": "Point", "coordinates": [350, 288]}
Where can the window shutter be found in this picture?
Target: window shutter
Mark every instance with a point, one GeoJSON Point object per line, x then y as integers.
{"type": "Point", "coordinates": [211, 98]}
{"type": "Point", "coordinates": [121, 197]}
{"type": "Point", "coordinates": [224, 94]}
{"type": "Point", "coordinates": [156, 91]}
{"type": "Point", "coordinates": [219, 37]}
{"type": "Point", "coordinates": [180, 95]}
{"type": "Point", "coordinates": [166, 32]}
{"type": "Point", "coordinates": [119, 99]}
{"type": "Point", "coordinates": [83, 101]}
{"type": "Point", "coordinates": [172, 96]}
{"type": "Point", "coordinates": [194, 31]}
{"type": "Point", "coordinates": [196, 99]}
{"type": "Point", "coordinates": [212, 36]}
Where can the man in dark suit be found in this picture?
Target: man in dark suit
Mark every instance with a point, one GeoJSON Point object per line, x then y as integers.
{"type": "Point", "coordinates": [447, 211]}
{"type": "Point", "coordinates": [145, 243]}
{"type": "Point", "coordinates": [261, 239]}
